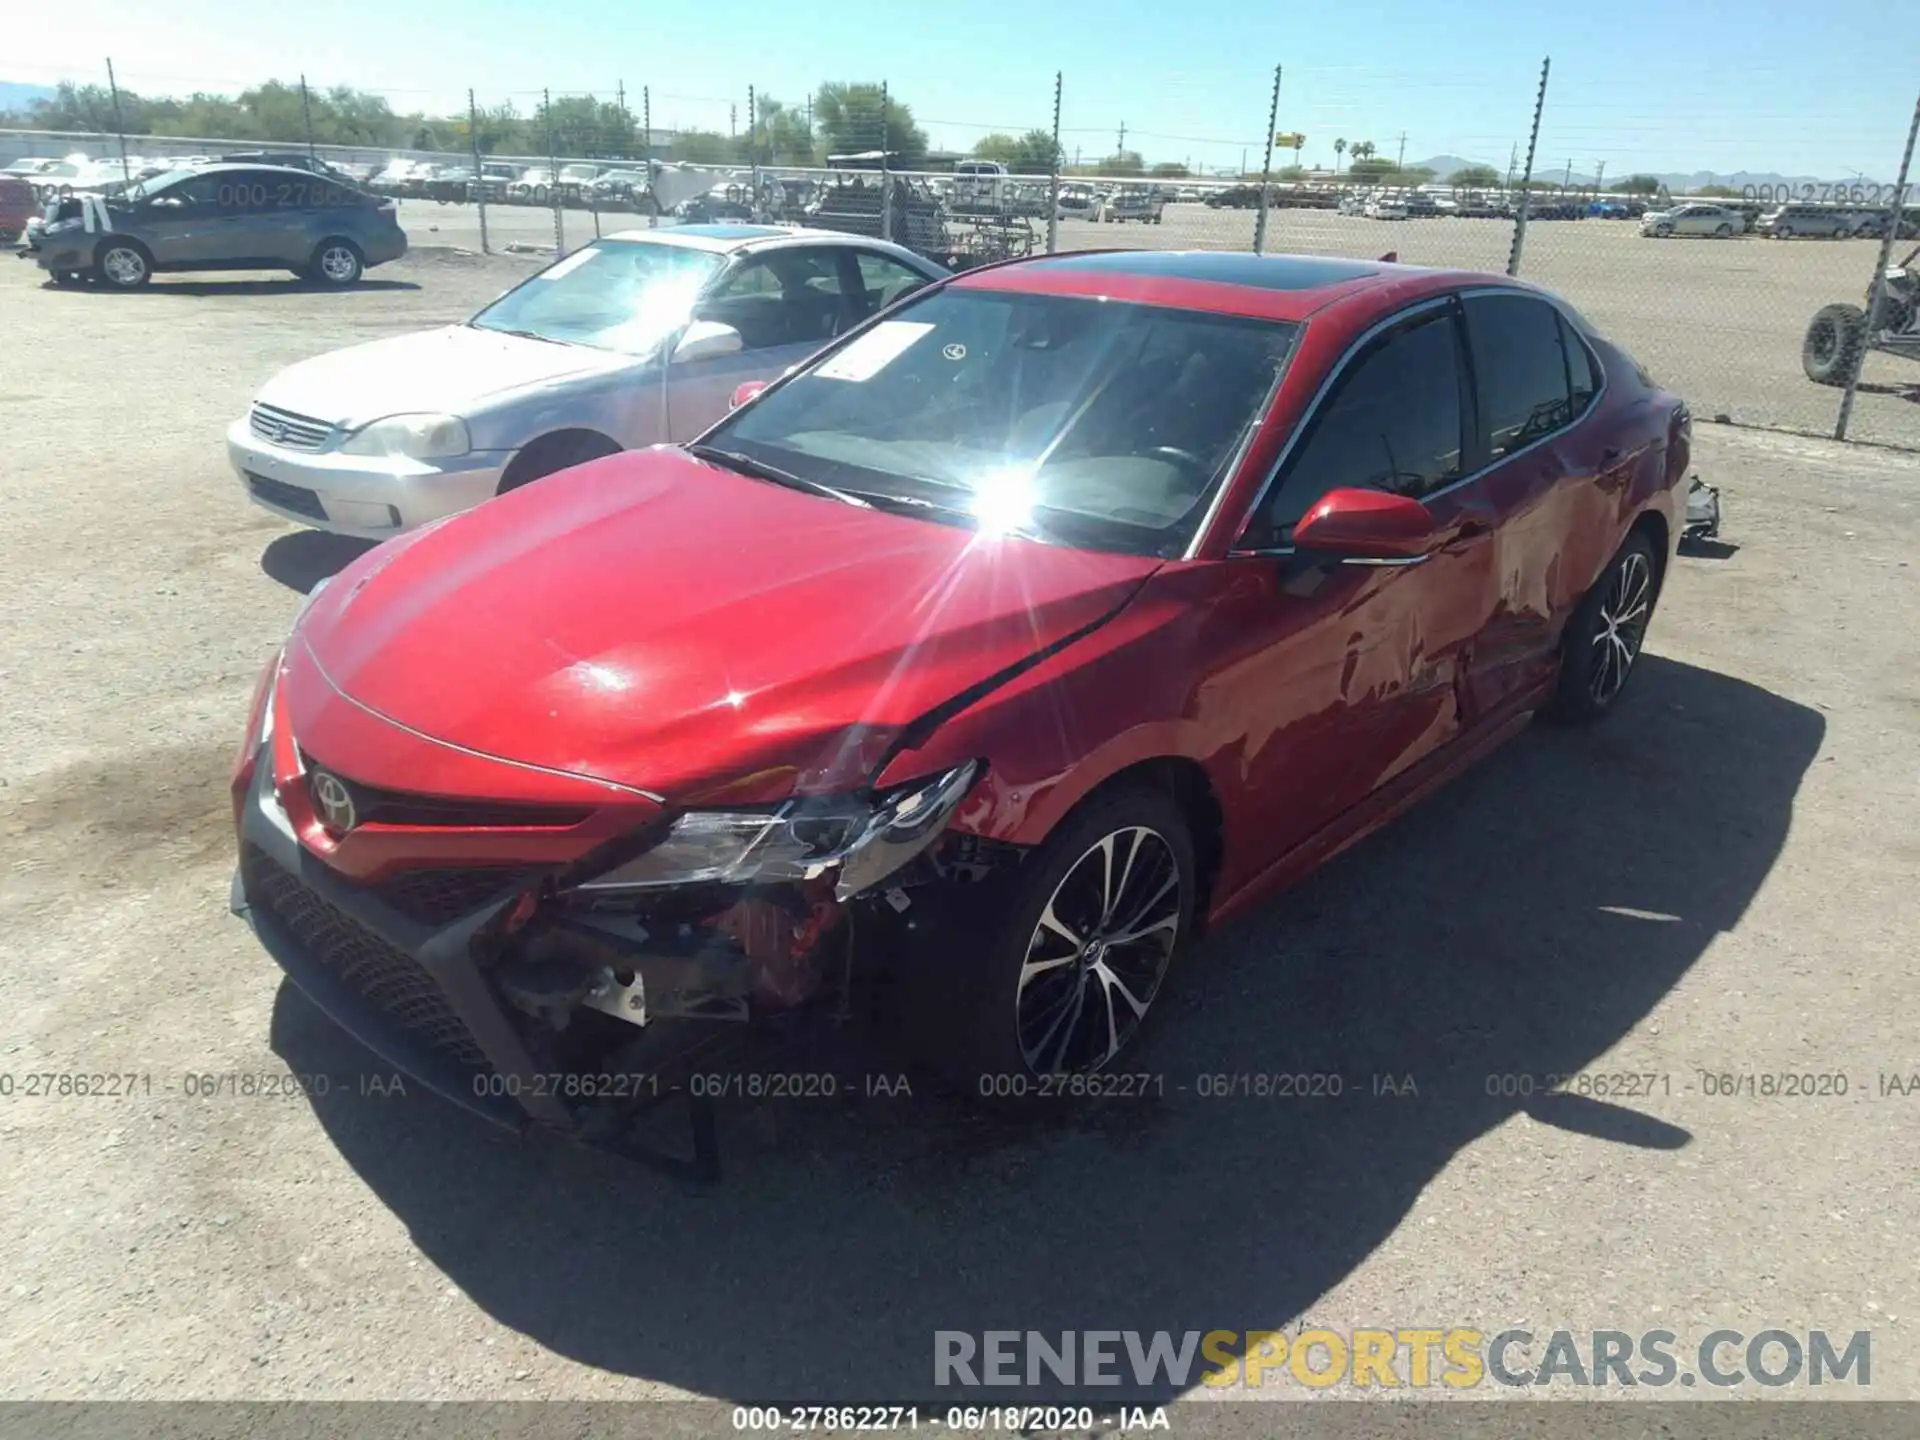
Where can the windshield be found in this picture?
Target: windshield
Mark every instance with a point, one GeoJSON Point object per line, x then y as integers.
{"type": "Point", "coordinates": [1078, 421]}
{"type": "Point", "coordinates": [623, 295]}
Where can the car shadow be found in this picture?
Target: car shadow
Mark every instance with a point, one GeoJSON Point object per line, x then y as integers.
{"type": "Point", "coordinates": [303, 559]}
{"type": "Point", "coordinates": [1517, 925]}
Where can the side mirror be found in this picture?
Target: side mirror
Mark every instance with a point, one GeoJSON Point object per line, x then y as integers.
{"type": "Point", "coordinates": [1367, 527]}
{"type": "Point", "coordinates": [707, 340]}
{"type": "Point", "coordinates": [746, 392]}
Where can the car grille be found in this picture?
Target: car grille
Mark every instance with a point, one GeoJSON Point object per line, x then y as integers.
{"type": "Point", "coordinates": [439, 897]}
{"type": "Point", "coordinates": [386, 977]}
{"type": "Point", "coordinates": [288, 430]}
{"type": "Point", "coordinates": [296, 498]}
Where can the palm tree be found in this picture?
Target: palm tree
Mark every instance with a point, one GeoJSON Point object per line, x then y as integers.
{"type": "Point", "coordinates": [1363, 150]}
{"type": "Point", "coordinates": [1339, 149]}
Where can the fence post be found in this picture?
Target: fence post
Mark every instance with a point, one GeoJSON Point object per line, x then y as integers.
{"type": "Point", "coordinates": [119, 124]}
{"type": "Point", "coordinates": [646, 153]}
{"type": "Point", "coordinates": [553, 178]}
{"type": "Point", "coordinates": [1526, 178]}
{"type": "Point", "coordinates": [1053, 181]}
{"type": "Point", "coordinates": [886, 170]}
{"type": "Point", "coordinates": [753, 148]}
{"type": "Point", "coordinates": [479, 180]}
{"type": "Point", "coordinates": [1266, 168]}
{"type": "Point", "coordinates": [1896, 216]}
{"type": "Point", "coordinates": [306, 111]}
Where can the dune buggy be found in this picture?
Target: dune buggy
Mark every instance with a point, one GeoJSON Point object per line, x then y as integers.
{"type": "Point", "coordinates": [1839, 336]}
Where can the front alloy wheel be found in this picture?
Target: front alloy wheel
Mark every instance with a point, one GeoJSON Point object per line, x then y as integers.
{"type": "Point", "coordinates": [125, 267]}
{"type": "Point", "coordinates": [1098, 953]}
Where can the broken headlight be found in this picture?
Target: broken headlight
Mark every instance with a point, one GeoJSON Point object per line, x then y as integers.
{"type": "Point", "coordinates": [865, 839]}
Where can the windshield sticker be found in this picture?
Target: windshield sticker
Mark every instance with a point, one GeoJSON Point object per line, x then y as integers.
{"type": "Point", "coordinates": [873, 351]}
{"type": "Point", "coordinates": [567, 266]}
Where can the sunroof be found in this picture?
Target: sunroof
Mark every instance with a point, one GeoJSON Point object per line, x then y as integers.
{"type": "Point", "coordinates": [1223, 267]}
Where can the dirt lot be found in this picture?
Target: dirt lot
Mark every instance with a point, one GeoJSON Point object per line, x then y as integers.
{"type": "Point", "coordinates": [1720, 321]}
{"type": "Point", "coordinates": [1720, 880]}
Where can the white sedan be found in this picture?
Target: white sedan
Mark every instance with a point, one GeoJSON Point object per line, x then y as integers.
{"type": "Point", "coordinates": [1712, 220]}
{"type": "Point", "coordinates": [637, 339]}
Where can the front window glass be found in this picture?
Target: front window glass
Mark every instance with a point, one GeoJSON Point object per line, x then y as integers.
{"type": "Point", "coordinates": [623, 295]}
{"type": "Point", "coordinates": [1079, 421]}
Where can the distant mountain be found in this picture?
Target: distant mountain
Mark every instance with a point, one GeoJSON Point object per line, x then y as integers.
{"type": "Point", "coordinates": [16, 96]}
{"type": "Point", "coordinates": [1444, 165]}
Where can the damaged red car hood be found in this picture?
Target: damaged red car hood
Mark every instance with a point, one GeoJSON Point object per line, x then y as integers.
{"type": "Point", "coordinates": [666, 624]}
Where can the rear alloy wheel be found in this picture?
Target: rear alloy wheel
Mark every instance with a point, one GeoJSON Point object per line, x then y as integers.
{"type": "Point", "coordinates": [1604, 637]}
{"type": "Point", "coordinates": [336, 262]}
{"type": "Point", "coordinates": [1836, 337]}
{"type": "Point", "coordinates": [1662, 232]}
{"type": "Point", "coordinates": [1783, 232]}
{"type": "Point", "coordinates": [1725, 232]}
{"type": "Point", "coordinates": [123, 265]}
{"type": "Point", "coordinates": [1076, 945]}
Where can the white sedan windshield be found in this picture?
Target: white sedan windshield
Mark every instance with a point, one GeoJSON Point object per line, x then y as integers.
{"type": "Point", "coordinates": [624, 295]}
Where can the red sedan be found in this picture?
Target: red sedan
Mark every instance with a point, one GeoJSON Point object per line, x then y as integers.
{"type": "Point", "coordinates": [1063, 610]}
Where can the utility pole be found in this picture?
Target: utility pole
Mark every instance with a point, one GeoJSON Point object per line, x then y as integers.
{"type": "Point", "coordinates": [733, 122]}
{"type": "Point", "coordinates": [1121, 148]}
{"type": "Point", "coordinates": [1599, 176]}
{"type": "Point", "coordinates": [626, 120]}
{"type": "Point", "coordinates": [306, 109]}
{"type": "Point", "coordinates": [1401, 163]}
{"type": "Point", "coordinates": [1513, 159]}
{"type": "Point", "coordinates": [120, 123]}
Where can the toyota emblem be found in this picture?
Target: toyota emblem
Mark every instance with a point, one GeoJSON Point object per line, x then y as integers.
{"type": "Point", "coordinates": [334, 801]}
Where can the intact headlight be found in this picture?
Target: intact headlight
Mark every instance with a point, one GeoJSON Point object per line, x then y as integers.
{"type": "Point", "coordinates": [866, 841]}
{"type": "Point", "coordinates": [415, 437]}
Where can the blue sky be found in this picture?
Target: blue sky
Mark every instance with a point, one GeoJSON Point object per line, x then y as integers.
{"type": "Point", "coordinates": [1823, 88]}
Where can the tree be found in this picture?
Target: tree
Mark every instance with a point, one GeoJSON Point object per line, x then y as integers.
{"type": "Point", "coordinates": [859, 117]}
{"type": "Point", "coordinates": [1719, 192]}
{"type": "Point", "coordinates": [1364, 167]}
{"type": "Point", "coordinates": [781, 135]}
{"type": "Point", "coordinates": [1339, 149]}
{"type": "Point", "coordinates": [1170, 170]}
{"type": "Point", "coordinates": [702, 147]}
{"type": "Point", "coordinates": [1033, 153]}
{"type": "Point", "coordinates": [1638, 185]}
{"type": "Point", "coordinates": [1362, 150]}
{"type": "Point", "coordinates": [1474, 177]}
{"type": "Point", "coordinates": [1290, 172]}
{"type": "Point", "coordinates": [1124, 162]}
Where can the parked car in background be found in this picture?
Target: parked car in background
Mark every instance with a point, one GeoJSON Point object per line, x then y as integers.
{"type": "Point", "coordinates": [1131, 202]}
{"type": "Point", "coordinates": [18, 205]}
{"type": "Point", "coordinates": [1071, 609]}
{"type": "Point", "coordinates": [635, 339]}
{"type": "Point", "coordinates": [1235, 197]}
{"type": "Point", "coordinates": [1826, 222]}
{"type": "Point", "coordinates": [221, 217]}
{"type": "Point", "coordinates": [1077, 201]}
{"type": "Point", "coordinates": [1696, 218]}
{"type": "Point", "coordinates": [1385, 207]}
{"type": "Point", "coordinates": [534, 187]}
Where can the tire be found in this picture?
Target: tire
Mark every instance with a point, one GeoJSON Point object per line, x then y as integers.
{"type": "Point", "coordinates": [336, 263]}
{"type": "Point", "coordinates": [123, 264]}
{"type": "Point", "coordinates": [1663, 232]}
{"type": "Point", "coordinates": [1601, 646]}
{"type": "Point", "coordinates": [1835, 340]}
{"type": "Point", "coordinates": [1783, 232]}
{"type": "Point", "coordinates": [551, 453]}
{"type": "Point", "coordinates": [1014, 998]}
{"type": "Point", "coordinates": [1724, 232]}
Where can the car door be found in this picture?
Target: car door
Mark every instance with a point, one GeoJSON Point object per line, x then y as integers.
{"type": "Point", "coordinates": [178, 224]}
{"type": "Point", "coordinates": [1540, 482]}
{"type": "Point", "coordinates": [785, 303]}
{"type": "Point", "coordinates": [1348, 674]}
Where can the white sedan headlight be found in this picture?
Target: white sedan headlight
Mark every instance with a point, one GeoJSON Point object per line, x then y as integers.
{"type": "Point", "coordinates": [414, 437]}
{"type": "Point", "coordinates": [864, 840]}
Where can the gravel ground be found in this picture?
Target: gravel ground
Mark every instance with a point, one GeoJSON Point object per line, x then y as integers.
{"type": "Point", "coordinates": [1719, 321]}
{"type": "Point", "coordinates": [1718, 880]}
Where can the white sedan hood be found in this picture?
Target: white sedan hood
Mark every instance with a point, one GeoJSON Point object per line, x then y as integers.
{"type": "Point", "coordinates": [447, 371]}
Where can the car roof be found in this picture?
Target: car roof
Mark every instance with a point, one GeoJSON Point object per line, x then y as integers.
{"type": "Point", "coordinates": [728, 238]}
{"type": "Point", "coordinates": [1272, 287]}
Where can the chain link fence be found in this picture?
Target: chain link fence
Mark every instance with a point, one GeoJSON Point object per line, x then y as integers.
{"type": "Point", "coordinates": [1725, 285]}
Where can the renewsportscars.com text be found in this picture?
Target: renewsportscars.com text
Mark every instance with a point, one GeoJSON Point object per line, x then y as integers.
{"type": "Point", "coordinates": [1456, 1358]}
